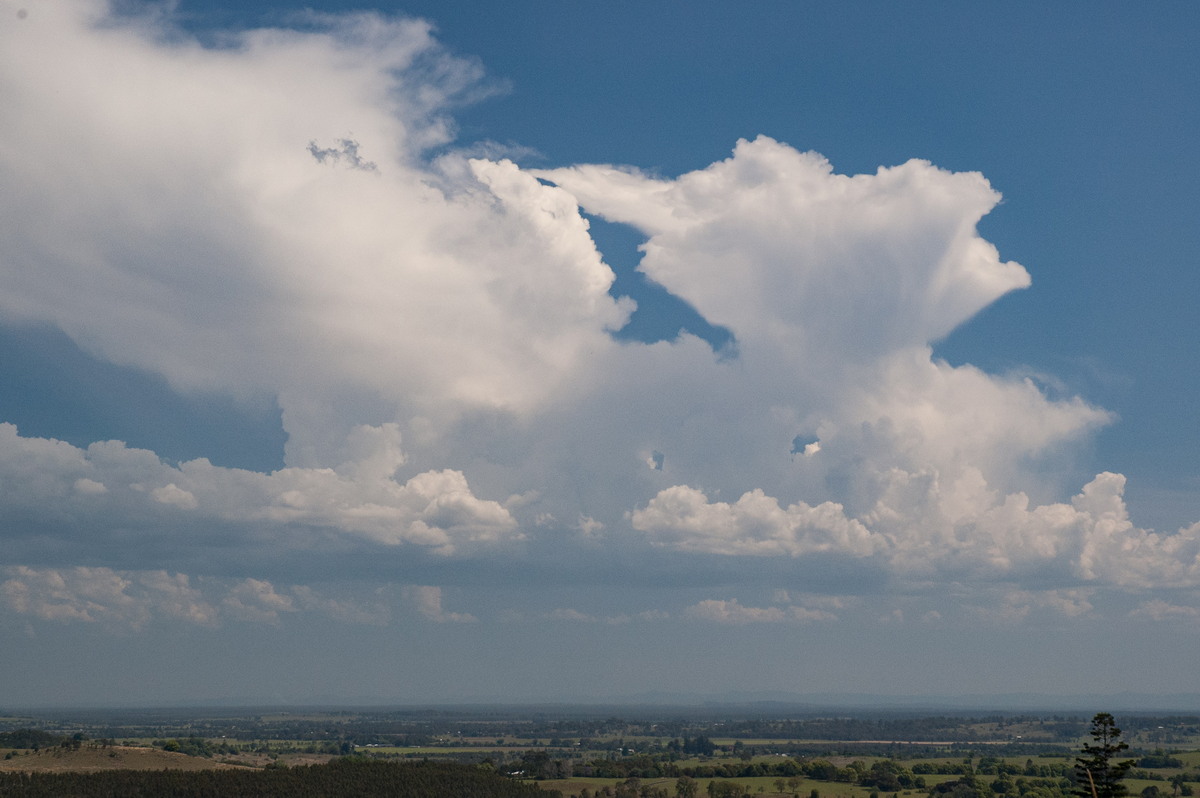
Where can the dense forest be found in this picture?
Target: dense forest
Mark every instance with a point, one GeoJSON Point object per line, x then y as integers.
{"type": "Point", "coordinates": [341, 778]}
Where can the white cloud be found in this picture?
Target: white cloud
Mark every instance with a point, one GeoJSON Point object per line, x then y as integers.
{"type": "Point", "coordinates": [776, 246]}
{"type": "Point", "coordinates": [439, 288]}
{"type": "Point", "coordinates": [921, 528]}
{"type": "Point", "coordinates": [1017, 605]}
{"type": "Point", "coordinates": [732, 612]}
{"type": "Point", "coordinates": [90, 486]}
{"type": "Point", "coordinates": [1115, 550]}
{"type": "Point", "coordinates": [81, 594]}
{"type": "Point", "coordinates": [175, 597]}
{"type": "Point", "coordinates": [576, 616]}
{"type": "Point", "coordinates": [428, 602]}
{"type": "Point", "coordinates": [588, 526]}
{"type": "Point", "coordinates": [1160, 610]}
{"type": "Point", "coordinates": [256, 600]}
{"type": "Point", "coordinates": [272, 217]}
{"type": "Point", "coordinates": [755, 525]}
{"type": "Point", "coordinates": [434, 509]}
{"type": "Point", "coordinates": [132, 599]}
{"type": "Point", "coordinates": [375, 613]}
{"type": "Point", "coordinates": [175, 496]}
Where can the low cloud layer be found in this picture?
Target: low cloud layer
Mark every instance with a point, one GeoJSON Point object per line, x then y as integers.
{"type": "Point", "coordinates": [130, 600]}
{"type": "Point", "coordinates": [963, 529]}
{"type": "Point", "coordinates": [285, 216]}
{"type": "Point", "coordinates": [109, 489]}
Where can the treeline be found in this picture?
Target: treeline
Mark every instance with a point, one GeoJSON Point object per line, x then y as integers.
{"type": "Point", "coordinates": [939, 728]}
{"type": "Point", "coordinates": [404, 728]}
{"type": "Point", "coordinates": [884, 775]}
{"type": "Point", "coordinates": [995, 766]}
{"type": "Point", "coordinates": [1005, 786]}
{"type": "Point", "coordinates": [343, 777]}
{"type": "Point", "coordinates": [678, 758]}
{"type": "Point", "coordinates": [1172, 729]}
{"type": "Point", "coordinates": [1159, 759]}
{"type": "Point", "coordinates": [35, 739]}
{"type": "Point", "coordinates": [987, 777]}
{"type": "Point", "coordinates": [445, 728]}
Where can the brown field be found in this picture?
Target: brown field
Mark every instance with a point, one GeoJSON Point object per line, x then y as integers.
{"type": "Point", "coordinates": [116, 758]}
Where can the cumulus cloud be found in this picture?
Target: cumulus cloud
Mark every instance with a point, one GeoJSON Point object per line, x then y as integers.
{"type": "Point", "coordinates": [732, 612]}
{"type": "Point", "coordinates": [91, 486]}
{"type": "Point", "coordinates": [133, 599]}
{"type": "Point", "coordinates": [755, 525]}
{"type": "Point", "coordinates": [361, 499]}
{"type": "Point", "coordinates": [1017, 605]}
{"type": "Point", "coordinates": [1159, 610]}
{"type": "Point", "coordinates": [921, 528]}
{"type": "Point", "coordinates": [82, 594]}
{"type": "Point", "coordinates": [576, 616]}
{"type": "Point", "coordinates": [256, 600]}
{"type": "Point", "coordinates": [437, 287]}
{"type": "Point", "coordinates": [173, 596]}
{"type": "Point", "coordinates": [282, 216]}
{"type": "Point", "coordinates": [376, 612]}
{"type": "Point", "coordinates": [428, 602]}
{"type": "Point", "coordinates": [174, 495]}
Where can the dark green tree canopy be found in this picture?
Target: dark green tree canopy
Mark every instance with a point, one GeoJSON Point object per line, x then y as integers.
{"type": "Point", "coordinates": [1097, 773]}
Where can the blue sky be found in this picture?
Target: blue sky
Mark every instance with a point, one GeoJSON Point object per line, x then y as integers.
{"type": "Point", "coordinates": [342, 349]}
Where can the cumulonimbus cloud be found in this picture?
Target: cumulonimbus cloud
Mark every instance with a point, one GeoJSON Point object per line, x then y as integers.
{"type": "Point", "coordinates": [205, 242]}
{"type": "Point", "coordinates": [282, 215]}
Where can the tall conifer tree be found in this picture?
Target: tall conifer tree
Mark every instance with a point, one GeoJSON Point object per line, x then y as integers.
{"type": "Point", "coordinates": [1098, 775]}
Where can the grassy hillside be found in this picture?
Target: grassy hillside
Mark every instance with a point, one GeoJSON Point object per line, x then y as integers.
{"type": "Point", "coordinates": [90, 759]}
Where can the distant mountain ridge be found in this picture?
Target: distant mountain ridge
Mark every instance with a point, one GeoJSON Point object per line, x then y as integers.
{"type": "Point", "coordinates": [1008, 702]}
{"type": "Point", "coordinates": [759, 701]}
